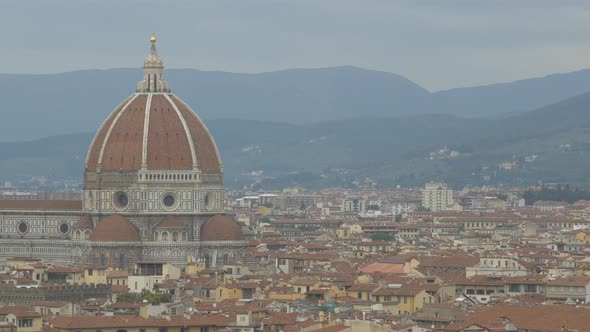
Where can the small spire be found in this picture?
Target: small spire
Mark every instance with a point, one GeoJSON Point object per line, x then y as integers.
{"type": "Point", "coordinates": [153, 71]}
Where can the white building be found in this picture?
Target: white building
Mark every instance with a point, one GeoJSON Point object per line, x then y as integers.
{"type": "Point", "coordinates": [398, 208]}
{"type": "Point", "coordinates": [354, 204]}
{"type": "Point", "coordinates": [437, 196]}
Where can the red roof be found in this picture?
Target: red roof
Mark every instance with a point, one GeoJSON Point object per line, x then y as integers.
{"type": "Point", "coordinates": [176, 138]}
{"type": "Point", "coordinates": [171, 222]}
{"type": "Point", "coordinates": [115, 228]}
{"type": "Point", "coordinates": [383, 268]}
{"type": "Point", "coordinates": [221, 228]}
{"type": "Point", "coordinates": [84, 222]}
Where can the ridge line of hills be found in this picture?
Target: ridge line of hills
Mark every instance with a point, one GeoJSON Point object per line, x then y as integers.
{"type": "Point", "coordinates": [550, 144]}
{"type": "Point", "coordinates": [79, 101]}
{"type": "Point", "coordinates": [348, 144]}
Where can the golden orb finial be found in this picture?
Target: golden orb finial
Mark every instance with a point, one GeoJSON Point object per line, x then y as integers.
{"type": "Point", "coordinates": [153, 39]}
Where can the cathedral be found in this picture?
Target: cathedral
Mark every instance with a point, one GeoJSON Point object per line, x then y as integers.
{"type": "Point", "coordinates": [153, 192]}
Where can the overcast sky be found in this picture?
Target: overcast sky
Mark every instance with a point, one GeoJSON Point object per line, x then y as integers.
{"type": "Point", "coordinates": [438, 44]}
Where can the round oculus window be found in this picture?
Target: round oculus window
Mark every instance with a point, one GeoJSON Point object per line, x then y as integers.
{"type": "Point", "coordinates": [64, 228]}
{"type": "Point", "coordinates": [121, 200]}
{"type": "Point", "coordinates": [23, 227]}
{"type": "Point", "coordinates": [169, 200]}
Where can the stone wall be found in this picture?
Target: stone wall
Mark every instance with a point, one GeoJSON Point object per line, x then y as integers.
{"type": "Point", "coordinates": [9, 294]}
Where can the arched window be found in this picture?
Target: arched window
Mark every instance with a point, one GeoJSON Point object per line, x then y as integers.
{"type": "Point", "coordinates": [175, 236]}
{"type": "Point", "coordinates": [86, 235]}
{"type": "Point", "coordinates": [121, 260]}
{"type": "Point", "coordinates": [183, 236]}
{"type": "Point", "coordinates": [164, 236]}
{"type": "Point", "coordinates": [103, 259]}
{"type": "Point", "coordinates": [225, 259]}
{"type": "Point", "coordinates": [207, 261]}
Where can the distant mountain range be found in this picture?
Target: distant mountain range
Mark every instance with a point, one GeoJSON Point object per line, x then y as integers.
{"type": "Point", "coordinates": [509, 146]}
{"type": "Point", "coordinates": [35, 106]}
{"type": "Point", "coordinates": [550, 144]}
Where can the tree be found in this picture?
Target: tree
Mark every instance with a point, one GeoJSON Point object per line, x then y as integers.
{"type": "Point", "coordinates": [153, 298]}
{"type": "Point", "coordinates": [502, 196]}
{"type": "Point", "coordinates": [381, 237]}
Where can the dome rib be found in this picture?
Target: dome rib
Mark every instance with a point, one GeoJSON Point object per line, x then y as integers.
{"type": "Point", "coordinates": [169, 137]}
{"type": "Point", "coordinates": [146, 124]}
{"type": "Point", "coordinates": [98, 141]}
{"type": "Point", "coordinates": [153, 132]}
{"type": "Point", "coordinates": [206, 150]}
{"type": "Point", "coordinates": [123, 146]}
{"type": "Point", "coordinates": [186, 132]}
{"type": "Point", "coordinates": [168, 147]}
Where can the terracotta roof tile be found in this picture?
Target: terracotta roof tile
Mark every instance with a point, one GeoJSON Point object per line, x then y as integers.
{"type": "Point", "coordinates": [383, 268]}
{"type": "Point", "coordinates": [96, 146]}
{"type": "Point", "coordinates": [171, 222]}
{"type": "Point", "coordinates": [221, 228]}
{"type": "Point", "coordinates": [115, 228]}
{"type": "Point", "coordinates": [168, 146]}
{"type": "Point", "coordinates": [84, 222]}
{"type": "Point", "coordinates": [207, 157]}
{"type": "Point", "coordinates": [123, 148]}
{"type": "Point", "coordinates": [551, 318]}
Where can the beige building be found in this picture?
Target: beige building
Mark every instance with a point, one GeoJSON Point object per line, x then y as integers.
{"type": "Point", "coordinates": [25, 321]}
{"type": "Point", "coordinates": [496, 266]}
{"type": "Point", "coordinates": [147, 275]}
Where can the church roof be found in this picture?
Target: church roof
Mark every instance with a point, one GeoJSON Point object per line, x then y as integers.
{"type": "Point", "coordinates": [115, 228]}
{"type": "Point", "coordinates": [171, 222]}
{"type": "Point", "coordinates": [221, 228]}
{"type": "Point", "coordinates": [84, 222]}
{"type": "Point", "coordinates": [153, 130]}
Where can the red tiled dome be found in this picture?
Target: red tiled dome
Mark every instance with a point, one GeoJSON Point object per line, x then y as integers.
{"type": "Point", "coordinates": [221, 228]}
{"type": "Point", "coordinates": [84, 222]}
{"type": "Point", "coordinates": [157, 130]}
{"type": "Point", "coordinates": [115, 228]}
{"type": "Point", "coordinates": [171, 222]}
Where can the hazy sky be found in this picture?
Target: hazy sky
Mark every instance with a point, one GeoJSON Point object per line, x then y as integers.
{"type": "Point", "coordinates": [438, 44]}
